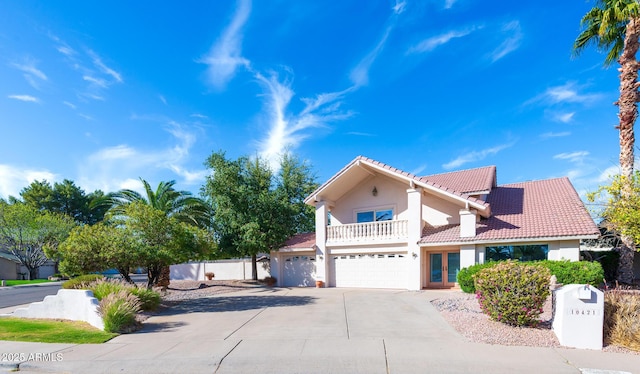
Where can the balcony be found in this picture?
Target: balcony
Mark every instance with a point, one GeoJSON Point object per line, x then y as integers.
{"type": "Point", "coordinates": [369, 232]}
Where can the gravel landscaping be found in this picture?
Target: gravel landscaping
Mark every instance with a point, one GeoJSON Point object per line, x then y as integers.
{"type": "Point", "coordinates": [460, 310]}
{"type": "Point", "coordinates": [463, 313]}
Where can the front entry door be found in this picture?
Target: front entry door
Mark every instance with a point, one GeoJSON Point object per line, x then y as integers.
{"type": "Point", "coordinates": [443, 269]}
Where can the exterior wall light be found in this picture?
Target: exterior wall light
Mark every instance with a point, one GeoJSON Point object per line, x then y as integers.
{"type": "Point", "coordinates": [374, 192]}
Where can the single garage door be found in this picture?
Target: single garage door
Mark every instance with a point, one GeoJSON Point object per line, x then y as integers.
{"type": "Point", "coordinates": [369, 270]}
{"type": "Point", "coordinates": [299, 271]}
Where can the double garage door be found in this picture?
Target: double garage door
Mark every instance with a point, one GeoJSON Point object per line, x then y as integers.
{"type": "Point", "coordinates": [373, 270]}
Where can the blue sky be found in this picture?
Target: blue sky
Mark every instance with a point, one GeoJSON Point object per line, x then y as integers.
{"type": "Point", "coordinates": [103, 93]}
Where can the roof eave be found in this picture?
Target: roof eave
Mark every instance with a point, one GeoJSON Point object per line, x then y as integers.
{"type": "Point", "coordinates": [510, 240]}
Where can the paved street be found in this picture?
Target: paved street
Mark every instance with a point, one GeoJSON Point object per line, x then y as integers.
{"type": "Point", "coordinates": [11, 296]}
{"type": "Point", "coordinates": [306, 330]}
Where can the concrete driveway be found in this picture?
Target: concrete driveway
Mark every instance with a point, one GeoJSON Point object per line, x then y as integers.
{"type": "Point", "coordinates": [272, 330]}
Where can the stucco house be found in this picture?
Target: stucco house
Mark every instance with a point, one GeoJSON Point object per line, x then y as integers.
{"type": "Point", "coordinates": [381, 227]}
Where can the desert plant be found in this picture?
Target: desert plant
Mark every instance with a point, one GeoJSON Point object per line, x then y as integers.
{"type": "Point", "coordinates": [118, 311]}
{"type": "Point", "coordinates": [466, 276]}
{"type": "Point", "coordinates": [149, 299]}
{"type": "Point", "coordinates": [81, 282]}
{"type": "Point", "coordinates": [104, 287]}
{"type": "Point", "coordinates": [622, 318]}
{"type": "Point", "coordinates": [512, 292]}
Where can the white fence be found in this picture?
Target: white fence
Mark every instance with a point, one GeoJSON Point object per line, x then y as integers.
{"type": "Point", "coordinates": [223, 270]}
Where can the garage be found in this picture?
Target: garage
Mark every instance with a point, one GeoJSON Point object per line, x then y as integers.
{"type": "Point", "coordinates": [371, 270]}
{"type": "Point", "coordinates": [299, 271]}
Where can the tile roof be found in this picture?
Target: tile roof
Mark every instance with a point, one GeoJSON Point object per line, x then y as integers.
{"type": "Point", "coordinates": [466, 181]}
{"type": "Point", "coordinates": [528, 210]}
{"type": "Point", "coordinates": [303, 240]}
{"type": "Point", "coordinates": [474, 179]}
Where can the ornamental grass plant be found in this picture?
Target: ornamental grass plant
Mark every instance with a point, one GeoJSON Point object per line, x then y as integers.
{"type": "Point", "coordinates": [118, 311]}
{"type": "Point", "coordinates": [622, 318]}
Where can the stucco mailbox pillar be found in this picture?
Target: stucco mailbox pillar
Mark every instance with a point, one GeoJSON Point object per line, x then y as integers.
{"type": "Point", "coordinates": [579, 316]}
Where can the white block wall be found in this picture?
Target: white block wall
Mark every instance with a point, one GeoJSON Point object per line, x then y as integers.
{"type": "Point", "coordinates": [223, 270]}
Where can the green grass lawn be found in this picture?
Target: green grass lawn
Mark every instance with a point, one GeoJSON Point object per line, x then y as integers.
{"type": "Point", "coordinates": [10, 283]}
{"type": "Point", "coordinates": [51, 331]}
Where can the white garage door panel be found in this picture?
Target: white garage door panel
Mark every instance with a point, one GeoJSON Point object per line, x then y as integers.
{"type": "Point", "coordinates": [299, 271]}
{"type": "Point", "coordinates": [369, 270]}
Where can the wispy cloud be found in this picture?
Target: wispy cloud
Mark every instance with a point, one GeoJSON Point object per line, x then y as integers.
{"type": "Point", "coordinates": [70, 105]}
{"type": "Point", "coordinates": [97, 61]}
{"type": "Point", "coordinates": [225, 55]}
{"type": "Point", "coordinates": [511, 43]}
{"type": "Point", "coordinates": [568, 93]}
{"type": "Point", "coordinates": [116, 167]}
{"type": "Point", "coordinates": [26, 98]}
{"type": "Point", "coordinates": [97, 81]}
{"type": "Point", "coordinates": [400, 6]}
{"type": "Point", "coordinates": [576, 157]}
{"type": "Point", "coordinates": [198, 115]}
{"type": "Point", "coordinates": [564, 117]}
{"type": "Point", "coordinates": [360, 74]}
{"type": "Point", "coordinates": [548, 135]}
{"type": "Point", "coordinates": [418, 170]}
{"type": "Point", "coordinates": [14, 178]}
{"type": "Point", "coordinates": [357, 133]}
{"type": "Point", "coordinates": [429, 44]}
{"type": "Point", "coordinates": [474, 156]}
{"type": "Point", "coordinates": [31, 73]}
{"type": "Point", "coordinates": [287, 130]}
{"type": "Point", "coordinates": [448, 4]}
{"type": "Point", "coordinates": [163, 99]}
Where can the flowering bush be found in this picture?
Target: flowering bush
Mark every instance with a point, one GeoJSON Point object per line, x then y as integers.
{"type": "Point", "coordinates": [513, 293]}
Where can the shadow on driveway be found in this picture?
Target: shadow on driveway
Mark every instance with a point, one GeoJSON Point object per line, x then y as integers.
{"type": "Point", "coordinates": [235, 303]}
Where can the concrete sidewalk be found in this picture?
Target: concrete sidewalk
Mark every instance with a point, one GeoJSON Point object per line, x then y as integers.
{"type": "Point", "coordinates": [268, 330]}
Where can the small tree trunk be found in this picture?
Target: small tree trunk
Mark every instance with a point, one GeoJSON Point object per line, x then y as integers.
{"type": "Point", "coordinates": [33, 273]}
{"type": "Point", "coordinates": [254, 267]}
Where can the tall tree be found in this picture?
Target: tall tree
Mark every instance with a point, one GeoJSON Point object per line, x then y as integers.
{"type": "Point", "coordinates": [66, 198]}
{"type": "Point", "coordinates": [27, 233]}
{"type": "Point", "coordinates": [254, 211]}
{"type": "Point", "coordinates": [181, 206]}
{"type": "Point", "coordinates": [613, 26]}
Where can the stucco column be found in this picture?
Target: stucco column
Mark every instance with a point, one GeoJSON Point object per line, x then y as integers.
{"type": "Point", "coordinates": [467, 255]}
{"type": "Point", "coordinates": [414, 231]}
{"type": "Point", "coordinates": [322, 268]}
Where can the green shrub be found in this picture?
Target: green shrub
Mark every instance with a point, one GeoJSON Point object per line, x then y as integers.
{"type": "Point", "coordinates": [104, 287]}
{"type": "Point", "coordinates": [466, 276]}
{"type": "Point", "coordinates": [81, 282]}
{"type": "Point", "coordinates": [118, 311]}
{"type": "Point", "coordinates": [622, 318]}
{"type": "Point", "coordinates": [149, 299]}
{"type": "Point", "coordinates": [513, 293]}
{"type": "Point", "coordinates": [575, 272]}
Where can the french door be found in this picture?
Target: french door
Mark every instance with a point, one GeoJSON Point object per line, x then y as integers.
{"type": "Point", "coordinates": [442, 269]}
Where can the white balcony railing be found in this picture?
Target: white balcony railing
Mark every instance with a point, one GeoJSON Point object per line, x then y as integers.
{"type": "Point", "coordinates": [367, 232]}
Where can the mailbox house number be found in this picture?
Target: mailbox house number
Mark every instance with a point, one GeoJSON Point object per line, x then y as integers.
{"type": "Point", "coordinates": [582, 312]}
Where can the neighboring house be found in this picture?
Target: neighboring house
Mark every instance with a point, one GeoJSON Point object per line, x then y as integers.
{"type": "Point", "coordinates": [380, 227]}
{"type": "Point", "coordinates": [9, 266]}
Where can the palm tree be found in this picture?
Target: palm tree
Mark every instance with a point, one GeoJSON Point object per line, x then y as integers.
{"type": "Point", "coordinates": [181, 205]}
{"type": "Point", "coordinates": [613, 26]}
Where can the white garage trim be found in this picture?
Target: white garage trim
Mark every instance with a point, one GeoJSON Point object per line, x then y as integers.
{"type": "Point", "coordinates": [370, 270]}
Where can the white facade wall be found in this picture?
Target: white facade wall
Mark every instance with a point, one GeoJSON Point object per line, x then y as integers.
{"type": "Point", "coordinates": [223, 270]}
{"type": "Point", "coordinates": [391, 194]}
{"type": "Point", "coordinates": [438, 212]}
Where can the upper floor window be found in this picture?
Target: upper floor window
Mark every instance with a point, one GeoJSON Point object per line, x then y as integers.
{"type": "Point", "coordinates": [375, 215]}
{"type": "Point", "coordinates": [517, 252]}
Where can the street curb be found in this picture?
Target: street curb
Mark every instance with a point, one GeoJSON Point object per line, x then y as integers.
{"type": "Point", "coordinates": [32, 285]}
